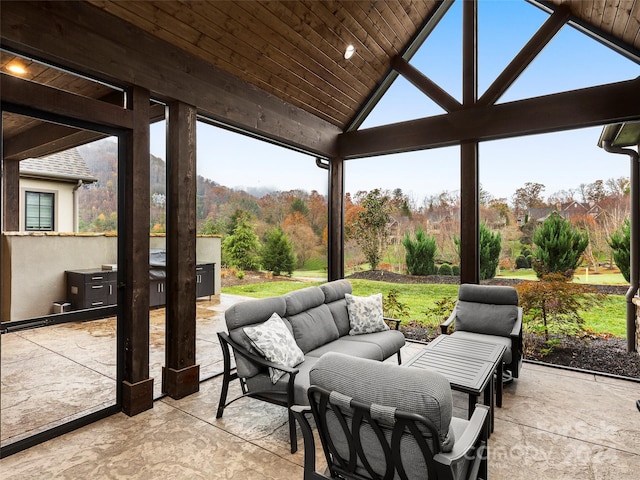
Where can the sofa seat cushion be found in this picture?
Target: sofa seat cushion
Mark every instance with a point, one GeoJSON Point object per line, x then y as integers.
{"type": "Point", "coordinates": [481, 337]}
{"type": "Point", "coordinates": [344, 345]}
{"type": "Point", "coordinates": [262, 382]}
{"type": "Point", "coordinates": [390, 342]}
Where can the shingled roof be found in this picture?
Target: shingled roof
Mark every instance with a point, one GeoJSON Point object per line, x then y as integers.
{"type": "Point", "coordinates": [67, 166]}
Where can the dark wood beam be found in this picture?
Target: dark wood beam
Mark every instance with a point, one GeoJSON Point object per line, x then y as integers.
{"type": "Point", "coordinates": [181, 375]}
{"type": "Point", "coordinates": [122, 54]}
{"type": "Point", "coordinates": [587, 107]}
{"type": "Point", "coordinates": [58, 102]}
{"type": "Point", "coordinates": [528, 53]}
{"type": "Point", "coordinates": [425, 84]}
{"type": "Point", "coordinates": [48, 138]}
{"type": "Point", "coordinates": [469, 52]}
{"type": "Point", "coordinates": [469, 213]}
{"type": "Point", "coordinates": [10, 195]}
{"type": "Point", "coordinates": [335, 227]}
{"type": "Point", "coordinates": [133, 250]}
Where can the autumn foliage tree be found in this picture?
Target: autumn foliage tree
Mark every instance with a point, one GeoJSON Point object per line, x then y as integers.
{"type": "Point", "coordinates": [371, 227]}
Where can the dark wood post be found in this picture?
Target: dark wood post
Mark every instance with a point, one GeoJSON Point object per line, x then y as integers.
{"type": "Point", "coordinates": [335, 227]}
{"type": "Point", "coordinates": [469, 171]}
{"type": "Point", "coordinates": [11, 195]}
{"type": "Point", "coordinates": [137, 391]}
{"type": "Point", "coordinates": [181, 376]}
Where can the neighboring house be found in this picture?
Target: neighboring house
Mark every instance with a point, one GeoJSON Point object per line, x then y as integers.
{"type": "Point", "coordinates": [48, 191]}
{"type": "Point", "coordinates": [569, 211]}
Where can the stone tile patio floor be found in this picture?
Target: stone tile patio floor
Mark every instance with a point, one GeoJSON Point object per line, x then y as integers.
{"type": "Point", "coordinates": [554, 424]}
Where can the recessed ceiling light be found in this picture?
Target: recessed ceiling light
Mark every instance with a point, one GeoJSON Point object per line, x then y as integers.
{"type": "Point", "coordinates": [348, 53]}
{"type": "Point", "coordinates": [17, 69]}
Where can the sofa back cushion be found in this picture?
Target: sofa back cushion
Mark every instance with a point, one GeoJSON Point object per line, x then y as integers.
{"type": "Point", "coordinates": [311, 320]}
{"type": "Point", "coordinates": [334, 293]}
{"type": "Point", "coordinates": [249, 313]}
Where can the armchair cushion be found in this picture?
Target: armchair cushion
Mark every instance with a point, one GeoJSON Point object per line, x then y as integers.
{"type": "Point", "coordinates": [413, 390]}
{"type": "Point", "coordinates": [365, 314]}
{"type": "Point", "coordinates": [486, 318]}
{"type": "Point", "coordinates": [274, 341]}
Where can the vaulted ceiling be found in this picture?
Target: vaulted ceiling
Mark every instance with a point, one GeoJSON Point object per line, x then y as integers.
{"type": "Point", "coordinates": [295, 49]}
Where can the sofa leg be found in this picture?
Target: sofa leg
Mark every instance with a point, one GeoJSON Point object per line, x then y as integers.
{"type": "Point", "coordinates": [399, 358]}
{"type": "Point", "coordinates": [292, 432]}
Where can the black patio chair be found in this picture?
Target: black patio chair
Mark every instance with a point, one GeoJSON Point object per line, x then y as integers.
{"type": "Point", "coordinates": [383, 421]}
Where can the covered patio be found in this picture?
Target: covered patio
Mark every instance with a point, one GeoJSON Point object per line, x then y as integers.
{"type": "Point", "coordinates": [554, 424]}
{"type": "Point", "coordinates": [277, 71]}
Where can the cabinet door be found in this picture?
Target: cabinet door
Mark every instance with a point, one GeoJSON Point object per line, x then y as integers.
{"type": "Point", "coordinates": [204, 280]}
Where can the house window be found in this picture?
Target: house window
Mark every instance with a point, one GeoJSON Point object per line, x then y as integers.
{"type": "Point", "coordinates": [39, 211]}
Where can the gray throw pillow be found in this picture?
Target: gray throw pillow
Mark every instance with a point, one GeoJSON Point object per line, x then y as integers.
{"type": "Point", "coordinates": [365, 314]}
{"type": "Point", "coordinates": [275, 343]}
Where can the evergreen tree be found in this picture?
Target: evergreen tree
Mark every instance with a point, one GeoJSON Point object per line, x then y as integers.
{"type": "Point", "coordinates": [241, 248]}
{"type": "Point", "coordinates": [277, 253]}
{"type": "Point", "coordinates": [420, 254]}
{"type": "Point", "coordinates": [490, 246]}
{"type": "Point", "coordinates": [620, 243]}
{"type": "Point", "coordinates": [560, 247]}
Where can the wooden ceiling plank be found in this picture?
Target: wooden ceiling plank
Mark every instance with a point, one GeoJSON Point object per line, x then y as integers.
{"type": "Point", "coordinates": [397, 27]}
{"type": "Point", "coordinates": [631, 33]}
{"type": "Point", "coordinates": [288, 79]}
{"type": "Point", "coordinates": [345, 30]}
{"type": "Point", "coordinates": [387, 26]}
{"type": "Point", "coordinates": [322, 78]}
{"type": "Point", "coordinates": [608, 15]}
{"type": "Point", "coordinates": [308, 42]}
{"type": "Point", "coordinates": [587, 107]}
{"type": "Point", "coordinates": [124, 55]}
{"type": "Point", "coordinates": [367, 14]}
{"type": "Point", "coordinates": [622, 17]}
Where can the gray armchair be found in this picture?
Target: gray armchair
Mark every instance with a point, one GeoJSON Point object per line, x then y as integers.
{"type": "Point", "coordinates": [490, 313]}
{"type": "Point", "coordinates": [382, 421]}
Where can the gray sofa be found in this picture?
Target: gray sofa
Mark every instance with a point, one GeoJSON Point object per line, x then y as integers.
{"type": "Point", "coordinates": [318, 319]}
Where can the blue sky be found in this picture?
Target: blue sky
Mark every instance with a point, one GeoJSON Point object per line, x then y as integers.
{"type": "Point", "coordinates": [559, 161]}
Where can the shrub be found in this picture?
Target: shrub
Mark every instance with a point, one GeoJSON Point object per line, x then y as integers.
{"type": "Point", "coordinates": [560, 247]}
{"type": "Point", "coordinates": [239, 274]}
{"type": "Point", "coordinates": [277, 253]}
{"type": "Point", "coordinates": [551, 305]}
{"type": "Point", "coordinates": [240, 249]}
{"type": "Point", "coordinates": [420, 253]}
{"type": "Point", "coordinates": [455, 270]}
{"type": "Point", "coordinates": [392, 307]}
{"type": "Point", "coordinates": [440, 311]}
{"type": "Point", "coordinates": [522, 262]}
{"type": "Point", "coordinates": [620, 243]}
{"type": "Point", "coordinates": [490, 245]}
{"type": "Point", "coordinates": [445, 269]}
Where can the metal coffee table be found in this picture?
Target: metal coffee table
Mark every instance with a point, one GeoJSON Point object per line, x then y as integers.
{"type": "Point", "coordinates": [469, 365]}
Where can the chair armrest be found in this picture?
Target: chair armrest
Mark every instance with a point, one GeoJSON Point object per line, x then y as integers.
{"type": "Point", "coordinates": [394, 320]}
{"type": "Point", "coordinates": [516, 331]}
{"type": "Point", "coordinates": [444, 326]}
{"type": "Point", "coordinates": [240, 350]}
{"type": "Point", "coordinates": [476, 430]}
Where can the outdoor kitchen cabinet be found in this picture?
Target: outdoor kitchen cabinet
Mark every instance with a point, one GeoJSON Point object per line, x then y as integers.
{"type": "Point", "coordinates": [91, 288]}
{"type": "Point", "coordinates": [204, 280]}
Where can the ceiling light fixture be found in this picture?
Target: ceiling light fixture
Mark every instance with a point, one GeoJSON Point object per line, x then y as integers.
{"type": "Point", "coordinates": [348, 53]}
{"type": "Point", "coordinates": [17, 69]}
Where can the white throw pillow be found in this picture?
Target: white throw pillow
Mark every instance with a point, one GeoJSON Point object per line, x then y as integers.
{"type": "Point", "coordinates": [365, 314]}
{"type": "Point", "coordinates": [275, 342]}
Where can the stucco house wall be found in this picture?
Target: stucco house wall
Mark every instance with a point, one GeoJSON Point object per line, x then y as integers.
{"type": "Point", "coordinates": [34, 266]}
{"type": "Point", "coordinates": [64, 208]}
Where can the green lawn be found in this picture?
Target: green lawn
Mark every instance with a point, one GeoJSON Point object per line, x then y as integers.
{"type": "Point", "coordinates": [610, 318]}
{"type": "Point", "coordinates": [604, 277]}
